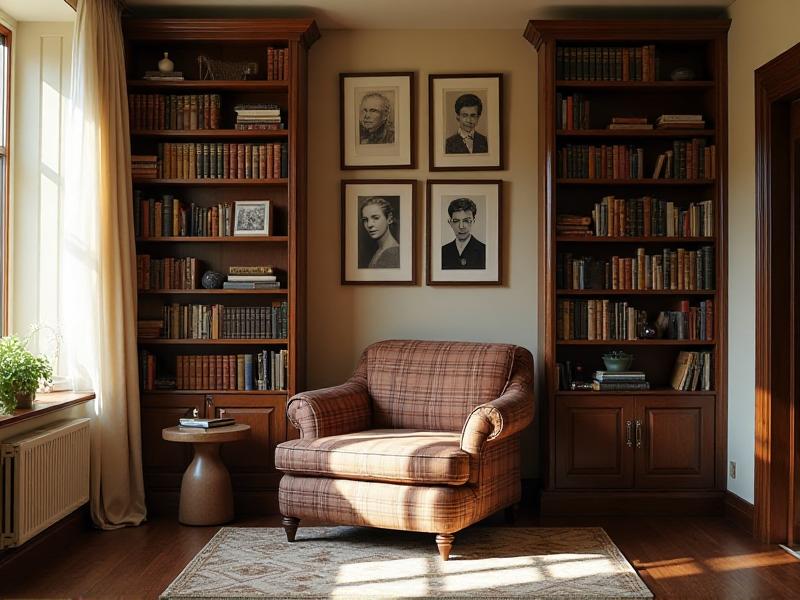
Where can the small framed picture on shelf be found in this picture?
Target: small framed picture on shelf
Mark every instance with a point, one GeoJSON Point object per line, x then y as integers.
{"type": "Point", "coordinates": [464, 226]}
{"type": "Point", "coordinates": [466, 122]}
{"type": "Point", "coordinates": [376, 122]}
{"type": "Point", "coordinates": [378, 232]}
{"type": "Point", "coordinates": [252, 217]}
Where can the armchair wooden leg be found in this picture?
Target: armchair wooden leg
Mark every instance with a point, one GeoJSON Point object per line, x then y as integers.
{"type": "Point", "coordinates": [511, 513]}
{"type": "Point", "coordinates": [445, 543]}
{"type": "Point", "coordinates": [290, 527]}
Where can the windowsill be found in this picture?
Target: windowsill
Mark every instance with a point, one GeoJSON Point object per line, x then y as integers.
{"type": "Point", "coordinates": [44, 404]}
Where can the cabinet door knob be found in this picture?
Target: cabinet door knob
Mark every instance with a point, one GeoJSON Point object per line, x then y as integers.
{"type": "Point", "coordinates": [638, 434]}
{"type": "Point", "coordinates": [628, 435]}
{"type": "Point", "coordinates": [221, 412]}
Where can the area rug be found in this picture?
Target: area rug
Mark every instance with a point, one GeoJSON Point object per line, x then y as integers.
{"type": "Point", "coordinates": [355, 562]}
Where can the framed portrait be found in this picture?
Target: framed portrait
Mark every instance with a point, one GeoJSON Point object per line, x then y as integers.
{"type": "Point", "coordinates": [376, 121]}
{"type": "Point", "coordinates": [466, 122]}
{"type": "Point", "coordinates": [464, 227]}
{"type": "Point", "coordinates": [252, 217]}
{"type": "Point", "coordinates": [379, 232]}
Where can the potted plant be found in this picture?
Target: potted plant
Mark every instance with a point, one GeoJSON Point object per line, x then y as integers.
{"type": "Point", "coordinates": [20, 374]}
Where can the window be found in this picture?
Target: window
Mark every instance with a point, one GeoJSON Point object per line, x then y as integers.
{"type": "Point", "coordinates": [5, 96]}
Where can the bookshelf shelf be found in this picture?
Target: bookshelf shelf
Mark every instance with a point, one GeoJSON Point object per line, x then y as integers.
{"type": "Point", "coordinates": [193, 342]}
{"type": "Point", "coordinates": [210, 85]}
{"type": "Point", "coordinates": [586, 452]}
{"type": "Point", "coordinates": [637, 86]}
{"type": "Point", "coordinates": [210, 134]}
{"type": "Point", "coordinates": [231, 239]}
{"type": "Point", "coordinates": [634, 182]}
{"type": "Point", "coordinates": [635, 292]}
{"type": "Point", "coordinates": [636, 133]}
{"type": "Point", "coordinates": [279, 47]}
{"type": "Point", "coordinates": [212, 182]}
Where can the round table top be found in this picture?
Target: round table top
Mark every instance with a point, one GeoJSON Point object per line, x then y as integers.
{"type": "Point", "coordinates": [212, 435]}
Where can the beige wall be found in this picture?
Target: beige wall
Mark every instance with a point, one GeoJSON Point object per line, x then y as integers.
{"type": "Point", "coordinates": [761, 30]}
{"type": "Point", "coordinates": [42, 77]}
{"type": "Point", "coordinates": [345, 319]}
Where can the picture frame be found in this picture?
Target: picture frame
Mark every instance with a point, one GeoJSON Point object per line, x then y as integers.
{"type": "Point", "coordinates": [377, 120]}
{"type": "Point", "coordinates": [378, 232]}
{"type": "Point", "coordinates": [464, 248]}
{"type": "Point", "coordinates": [465, 122]}
{"type": "Point", "coordinates": [252, 217]}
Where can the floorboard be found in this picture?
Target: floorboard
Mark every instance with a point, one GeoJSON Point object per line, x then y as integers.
{"type": "Point", "coordinates": [678, 557]}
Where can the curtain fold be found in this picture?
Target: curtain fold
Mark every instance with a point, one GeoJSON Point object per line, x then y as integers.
{"type": "Point", "coordinates": [97, 287]}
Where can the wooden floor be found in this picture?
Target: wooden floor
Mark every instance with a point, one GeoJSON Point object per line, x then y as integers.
{"type": "Point", "coordinates": [678, 557]}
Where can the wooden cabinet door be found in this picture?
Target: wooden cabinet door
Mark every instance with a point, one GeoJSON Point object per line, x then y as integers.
{"type": "Point", "coordinates": [675, 442]}
{"type": "Point", "coordinates": [594, 444]}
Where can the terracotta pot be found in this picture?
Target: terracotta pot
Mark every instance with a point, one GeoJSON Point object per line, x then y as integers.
{"type": "Point", "coordinates": [25, 399]}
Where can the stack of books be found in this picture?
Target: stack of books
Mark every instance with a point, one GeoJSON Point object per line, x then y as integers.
{"type": "Point", "coordinates": [258, 116]}
{"type": "Point", "coordinates": [680, 122]}
{"type": "Point", "coordinates": [144, 166]}
{"type": "Point", "coordinates": [251, 278]}
{"type": "Point", "coordinates": [159, 76]}
{"type": "Point", "coordinates": [619, 381]}
{"type": "Point", "coordinates": [207, 423]}
{"type": "Point", "coordinates": [574, 225]}
{"type": "Point", "coordinates": [149, 329]}
{"type": "Point", "coordinates": [629, 123]}
{"type": "Point", "coordinates": [692, 372]}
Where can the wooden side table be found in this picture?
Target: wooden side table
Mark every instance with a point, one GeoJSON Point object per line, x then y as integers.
{"type": "Point", "coordinates": [206, 495]}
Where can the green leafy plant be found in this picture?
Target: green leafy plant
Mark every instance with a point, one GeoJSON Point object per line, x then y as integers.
{"type": "Point", "coordinates": [20, 372]}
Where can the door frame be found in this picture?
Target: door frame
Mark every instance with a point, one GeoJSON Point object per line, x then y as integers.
{"type": "Point", "coordinates": [777, 84]}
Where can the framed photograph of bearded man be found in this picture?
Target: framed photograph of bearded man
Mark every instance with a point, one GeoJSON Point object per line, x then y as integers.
{"type": "Point", "coordinates": [376, 120]}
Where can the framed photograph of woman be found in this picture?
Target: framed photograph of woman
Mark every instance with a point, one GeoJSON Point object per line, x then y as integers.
{"type": "Point", "coordinates": [464, 226]}
{"type": "Point", "coordinates": [376, 120]}
{"type": "Point", "coordinates": [378, 231]}
{"type": "Point", "coordinates": [465, 122]}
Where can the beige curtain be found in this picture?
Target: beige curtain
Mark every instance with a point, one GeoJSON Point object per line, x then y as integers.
{"type": "Point", "coordinates": [97, 289]}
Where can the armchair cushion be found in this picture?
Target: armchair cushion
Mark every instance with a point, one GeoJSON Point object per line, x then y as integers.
{"type": "Point", "coordinates": [388, 455]}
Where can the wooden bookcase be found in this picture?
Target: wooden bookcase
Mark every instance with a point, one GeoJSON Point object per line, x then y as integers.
{"type": "Point", "coordinates": [658, 450]}
{"type": "Point", "coordinates": [251, 463]}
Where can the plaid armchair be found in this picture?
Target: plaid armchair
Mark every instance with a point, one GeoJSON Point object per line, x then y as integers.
{"type": "Point", "coordinates": [423, 437]}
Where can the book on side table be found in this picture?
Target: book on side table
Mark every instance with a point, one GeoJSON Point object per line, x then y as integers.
{"type": "Point", "coordinates": [207, 423]}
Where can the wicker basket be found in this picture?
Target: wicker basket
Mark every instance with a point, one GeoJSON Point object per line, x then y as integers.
{"type": "Point", "coordinates": [226, 70]}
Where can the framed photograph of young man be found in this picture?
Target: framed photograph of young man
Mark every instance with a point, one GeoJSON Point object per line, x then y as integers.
{"type": "Point", "coordinates": [464, 225]}
{"type": "Point", "coordinates": [466, 122]}
{"type": "Point", "coordinates": [376, 120]}
{"type": "Point", "coordinates": [378, 231]}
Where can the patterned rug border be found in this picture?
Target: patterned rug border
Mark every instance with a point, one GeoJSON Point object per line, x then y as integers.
{"type": "Point", "coordinates": [220, 536]}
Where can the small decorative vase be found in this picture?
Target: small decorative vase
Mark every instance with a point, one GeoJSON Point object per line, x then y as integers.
{"type": "Point", "coordinates": [165, 65]}
{"type": "Point", "coordinates": [25, 399]}
{"type": "Point", "coordinates": [617, 360]}
{"type": "Point", "coordinates": [212, 280]}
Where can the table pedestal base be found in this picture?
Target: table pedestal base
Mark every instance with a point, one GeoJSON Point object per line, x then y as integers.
{"type": "Point", "coordinates": [206, 496]}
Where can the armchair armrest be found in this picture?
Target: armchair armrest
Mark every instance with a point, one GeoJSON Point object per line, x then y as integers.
{"type": "Point", "coordinates": [331, 411]}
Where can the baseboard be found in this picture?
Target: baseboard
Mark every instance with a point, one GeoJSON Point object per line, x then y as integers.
{"type": "Point", "coordinates": [250, 503]}
{"type": "Point", "coordinates": [56, 535]}
{"type": "Point", "coordinates": [739, 511]}
{"type": "Point", "coordinates": [630, 503]}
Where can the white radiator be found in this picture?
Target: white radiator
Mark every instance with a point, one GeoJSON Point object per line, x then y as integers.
{"type": "Point", "coordinates": [45, 476]}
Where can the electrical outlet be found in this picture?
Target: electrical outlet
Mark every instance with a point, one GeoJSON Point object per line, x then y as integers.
{"type": "Point", "coordinates": [733, 470]}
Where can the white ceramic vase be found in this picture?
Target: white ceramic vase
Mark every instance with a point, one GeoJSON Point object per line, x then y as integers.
{"type": "Point", "coordinates": [165, 65]}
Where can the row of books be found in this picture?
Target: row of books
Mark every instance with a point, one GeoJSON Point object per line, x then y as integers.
{"type": "Point", "coordinates": [174, 111]}
{"type": "Point", "coordinates": [277, 63]}
{"type": "Point", "coordinates": [690, 322]}
{"type": "Point", "coordinates": [572, 112]}
{"type": "Point", "coordinates": [258, 117]}
{"type": "Point", "coordinates": [167, 273]}
{"type": "Point", "coordinates": [583, 161]}
{"type": "Point", "coordinates": [693, 372]}
{"type": "Point", "coordinates": [619, 381]}
{"type": "Point", "coordinates": [598, 319]}
{"type": "Point", "coordinates": [171, 217]}
{"type": "Point", "coordinates": [687, 160]}
{"type": "Point", "coordinates": [602, 63]}
{"type": "Point", "coordinates": [219, 322]}
{"type": "Point", "coordinates": [647, 216]}
{"type": "Point", "coordinates": [672, 269]}
{"type": "Point", "coordinates": [210, 160]}
{"type": "Point", "coordinates": [266, 370]}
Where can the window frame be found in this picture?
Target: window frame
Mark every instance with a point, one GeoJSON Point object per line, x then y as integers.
{"type": "Point", "coordinates": [5, 193]}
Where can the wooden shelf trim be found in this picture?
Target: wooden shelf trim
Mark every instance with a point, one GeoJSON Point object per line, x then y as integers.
{"type": "Point", "coordinates": [222, 342]}
{"type": "Point", "coordinates": [678, 86]}
{"type": "Point", "coordinates": [581, 181]}
{"type": "Point", "coordinates": [636, 343]}
{"type": "Point", "coordinates": [650, 392]}
{"type": "Point", "coordinates": [151, 393]}
{"type": "Point", "coordinates": [211, 182]}
{"type": "Point", "coordinates": [653, 239]}
{"type": "Point", "coordinates": [636, 133]}
{"type": "Point", "coordinates": [213, 292]}
{"type": "Point", "coordinates": [230, 239]}
{"type": "Point", "coordinates": [635, 292]}
{"type": "Point", "coordinates": [210, 133]}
